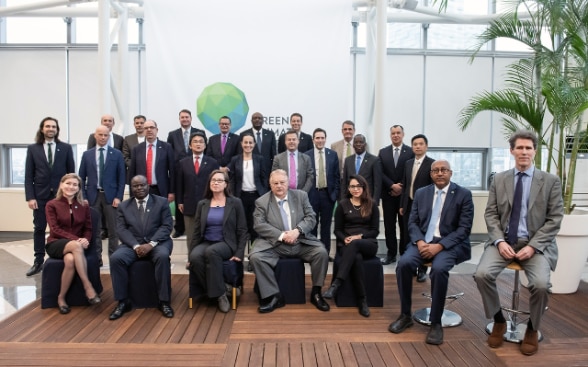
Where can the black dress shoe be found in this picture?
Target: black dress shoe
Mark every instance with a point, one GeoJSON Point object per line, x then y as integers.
{"type": "Point", "coordinates": [435, 335]}
{"type": "Point", "coordinates": [35, 269]}
{"type": "Point", "coordinates": [331, 259]}
{"type": "Point", "coordinates": [421, 274]}
{"type": "Point", "coordinates": [177, 234]}
{"type": "Point", "coordinates": [94, 300]}
{"type": "Point", "coordinates": [319, 302]}
{"type": "Point", "coordinates": [120, 309]}
{"type": "Point", "coordinates": [363, 308]}
{"type": "Point", "coordinates": [402, 323]}
{"type": "Point", "coordinates": [166, 309]}
{"type": "Point", "coordinates": [332, 291]}
{"type": "Point", "coordinates": [64, 310]}
{"type": "Point", "coordinates": [388, 260]}
{"type": "Point", "coordinates": [276, 302]}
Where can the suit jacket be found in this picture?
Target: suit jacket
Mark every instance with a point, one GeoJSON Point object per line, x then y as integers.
{"type": "Point", "coordinates": [422, 179]}
{"type": "Point", "coordinates": [305, 180]}
{"type": "Point", "coordinates": [304, 143]}
{"type": "Point", "coordinates": [234, 225]}
{"type": "Point", "coordinates": [268, 146]}
{"type": "Point", "coordinates": [332, 170]}
{"type": "Point", "coordinates": [544, 212]}
{"type": "Point", "coordinates": [41, 181]}
{"type": "Point", "coordinates": [156, 227]}
{"type": "Point", "coordinates": [267, 220]}
{"type": "Point", "coordinates": [164, 165]}
{"type": "Point", "coordinates": [129, 143]}
{"type": "Point", "coordinates": [213, 148]}
{"type": "Point", "coordinates": [392, 174]}
{"type": "Point", "coordinates": [370, 169]}
{"type": "Point", "coordinates": [114, 175]}
{"type": "Point", "coordinates": [339, 148]}
{"type": "Point", "coordinates": [117, 144]}
{"type": "Point", "coordinates": [175, 138]}
{"type": "Point", "coordinates": [189, 185]}
{"type": "Point", "coordinates": [455, 222]}
{"type": "Point", "coordinates": [61, 224]}
{"type": "Point", "coordinates": [260, 175]}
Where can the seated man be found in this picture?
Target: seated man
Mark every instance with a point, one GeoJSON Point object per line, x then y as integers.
{"type": "Point", "coordinates": [439, 228]}
{"type": "Point", "coordinates": [144, 224]}
{"type": "Point", "coordinates": [283, 220]}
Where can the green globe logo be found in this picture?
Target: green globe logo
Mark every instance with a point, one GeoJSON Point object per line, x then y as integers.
{"type": "Point", "coordinates": [221, 99]}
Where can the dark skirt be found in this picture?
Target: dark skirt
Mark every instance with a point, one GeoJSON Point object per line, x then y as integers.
{"type": "Point", "coordinates": [55, 248]}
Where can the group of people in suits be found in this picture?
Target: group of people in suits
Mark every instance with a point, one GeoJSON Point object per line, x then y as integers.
{"type": "Point", "coordinates": [232, 188]}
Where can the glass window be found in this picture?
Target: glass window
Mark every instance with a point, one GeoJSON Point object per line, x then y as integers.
{"type": "Point", "coordinates": [454, 36]}
{"type": "Point", "coordinates": [35, 30]}
{"type": "Point", "coordinates": [17, 156]}
{"type": "Point", "coordinates": [87, 30]}
{"type": "Point", "coordinates": [467, 165]}
{"type": "Point", "coordinates": [405, 35]}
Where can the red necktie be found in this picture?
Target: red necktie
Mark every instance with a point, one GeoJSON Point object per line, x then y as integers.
{"type": "Point", "coordinates": [196, 165]}
{"type": "Point", "coordinates": [149, 163]}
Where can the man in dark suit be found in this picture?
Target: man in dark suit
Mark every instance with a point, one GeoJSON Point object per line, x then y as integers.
{"type": "Point", "coordinates": [48, 160]}
{"type": "Point", "coordinates": [301, 174]}
{"type": "Point", "coordinates": [440, 224]}
{"type": "Point", "coordinates": [393, 158]}
{"type": "Point", "coordinates": [324, 194]}
{"type": "Point", "coordinates": [133, 140]}
{"type": "Point", "coordinates": [180, 142]}
{"type": "Point", "coordinates": [191, 181]}
{"type": "Point", "coordinates": [364, 164]}
{"type": "Point", "coordinates": [144, 224]}
{"type": "Point", "coordinates": [225, 145]}
{"type": "Point", "coordinates": [283, 220]}
{"type": "Point", "coordinates": [416, 175]}
{"type": "Point", "coordinates": [344, 147]}
{"type": "Point", "coordinates": [265, 140]}
{"type": "Point", "coordinates": [102, 171]}
{"type": "Point", "coordinates": [160, 171]}
{"type": "Point", "coordinates": [114, 140]}
{"type": "Point", "coordinates": [304, 140]}
{"type": "Point", "coordinates": [523, 216]}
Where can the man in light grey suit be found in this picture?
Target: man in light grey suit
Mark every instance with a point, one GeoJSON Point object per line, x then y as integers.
{"type": "Point", "coordinates": [304, 177]}
{"type": "Point", "coordinates": [523, 216]}
{"type": "Point", "coordinates": [283, 220]}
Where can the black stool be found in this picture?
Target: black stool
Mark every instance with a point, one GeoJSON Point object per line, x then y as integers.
{"type": "Point", "coordinates": [290, 277]}
{"type": "Point", "coordinates": [374, 284]}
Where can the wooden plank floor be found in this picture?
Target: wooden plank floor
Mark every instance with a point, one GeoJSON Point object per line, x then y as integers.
{"type": "Point", "coordinates": [296, 335]}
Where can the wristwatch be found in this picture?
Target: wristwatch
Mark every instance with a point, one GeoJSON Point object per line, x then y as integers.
{"type": "Point", "coordinates": [300, 230]}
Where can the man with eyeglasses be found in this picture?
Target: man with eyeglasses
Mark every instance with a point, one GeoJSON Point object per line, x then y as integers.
{"type": "Point", "coordinates": [364, 164]}
{"type": "Point", "coordinates": [191, 180]}
{"type": "Point", "coordinates": [439, 229]}
{"type": "Point", "coordinates": [283, 219]}
{"type": "Point", "coordinates": [223, 146]}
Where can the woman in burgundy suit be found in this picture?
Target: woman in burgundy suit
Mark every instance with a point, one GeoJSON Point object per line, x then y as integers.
{"type": "Point", "coordinates": [70, 232]}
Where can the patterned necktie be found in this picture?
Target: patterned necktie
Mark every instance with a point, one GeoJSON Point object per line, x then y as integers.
{"type": "Point", "coordinates": [357, 164]}
{"type": "Point", "coordinates": [285, 221]}
{"type": "Point", "coordinates": [186, 137]}
{"type": "Point", "coordinates": [49, 155]}
{"type": "Point", "coordinates": [258, 142]}
{"type": "Point", "coordinates": [348, 151]}
{"type": "Point", "coordinates": [223, 143]}
{"type": "Point", "coordinates": [322, 182]}
{"type": "Point", "coordinates": [197, 164]}
{"type": "Point", "coordinates": [142, 210]}
{"type": "Point", "coordinates": [149, 164]}
{"type": "Point", "coordinates": [101, 168]}
{"type": "Point", "coordinates": [292, 184]}
{"type": "Point", "coordinates": [515, 212]}
{"type": "Point", "coordinates": [396, 154]}
{"type": "Point", "coordinates": [434, 217]}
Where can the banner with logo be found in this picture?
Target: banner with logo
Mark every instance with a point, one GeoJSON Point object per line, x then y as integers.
{"type": "Point", "coordinates": [234, 58]}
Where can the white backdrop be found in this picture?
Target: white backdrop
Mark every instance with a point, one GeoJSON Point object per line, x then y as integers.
{"type": "Point", "coordinates": [286, 56]}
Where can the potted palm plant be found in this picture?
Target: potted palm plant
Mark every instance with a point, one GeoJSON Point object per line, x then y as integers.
{"type": "Point", "coordinates": [548, 94]}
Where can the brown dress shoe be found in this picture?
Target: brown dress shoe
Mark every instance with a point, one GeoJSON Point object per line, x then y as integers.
{"type": "Point", "coordinates": [530, 343]}
{"type": "Point", "coordinates": [497, 336]}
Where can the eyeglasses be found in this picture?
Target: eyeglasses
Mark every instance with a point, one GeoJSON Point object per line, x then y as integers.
{"type": "Point", "coordinates": [440, 170]}
{"type": "Point", "coordinates": [217, 180]}
{"type": "Point", "coordinates": [354, 187]}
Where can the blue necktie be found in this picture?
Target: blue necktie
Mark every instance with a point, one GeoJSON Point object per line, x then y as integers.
{"type": "Point", "coordinates": [434, 217]}
{"type": "Point", "coordinates": [515, 212]}
{"type": "Point", "coordinates": [357, 164]}
{"type": "Point", "coordinates": [284, 215]}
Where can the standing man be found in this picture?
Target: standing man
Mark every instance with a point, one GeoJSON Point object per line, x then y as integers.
{"type": "Point", "coordinates": [48, 160]}
{"type": "Point", "coordinates": [144, 224]}
{"type": "Point", "coordinates": [223, 146]}
{"type": "Point", "coordinates": [265, 140]}
{"type": "Point", "coordinates": [283, 220]}
{"type": "Point", "coordinates": [393, 158]}
{"type": "Point", "coordinates": [297, 165]}
{"type": "Point", "coordinates": [324, 194]}
{"type": "Point", "coordinates": [191, 180]}
{"type": "Point", "coordinates": [344, 147]}
{"type": "Point", "coordinates": [417, 174]}
{"type": "Point", "coordinates": [305, 140]}
{"type": "Point", "coordinates": [523, 216]}
{"type": "Point", "coordinates": [180, 143]}
{"type": "Point", "coordinates": [440, 225]}
{"type": "Point", "coordinates": [364, 164]}
{"type": "Point", "coordinates": [154, 159]}
{"type": "Point", "coordinates": [114, 140]}
{"type": "Point", "coordinates": [102, 171]}
{"type": "Point", "coordinates": [133, 140]}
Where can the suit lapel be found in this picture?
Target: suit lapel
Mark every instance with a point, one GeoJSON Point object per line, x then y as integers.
{"type": "Point", "coordinates": [509, 186]}
{"type": "Point", "coordinates": [536, 184]}
{"type": "Point", "coordinates": [448, 199]}
{"type": "Point", "coordinates": [204, 216]}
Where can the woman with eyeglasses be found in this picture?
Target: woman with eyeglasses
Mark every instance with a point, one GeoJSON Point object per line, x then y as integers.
{"type": "Point", "coordinates": [220, 233]}
{"type": "Point", "coordinates": [357, 220]}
